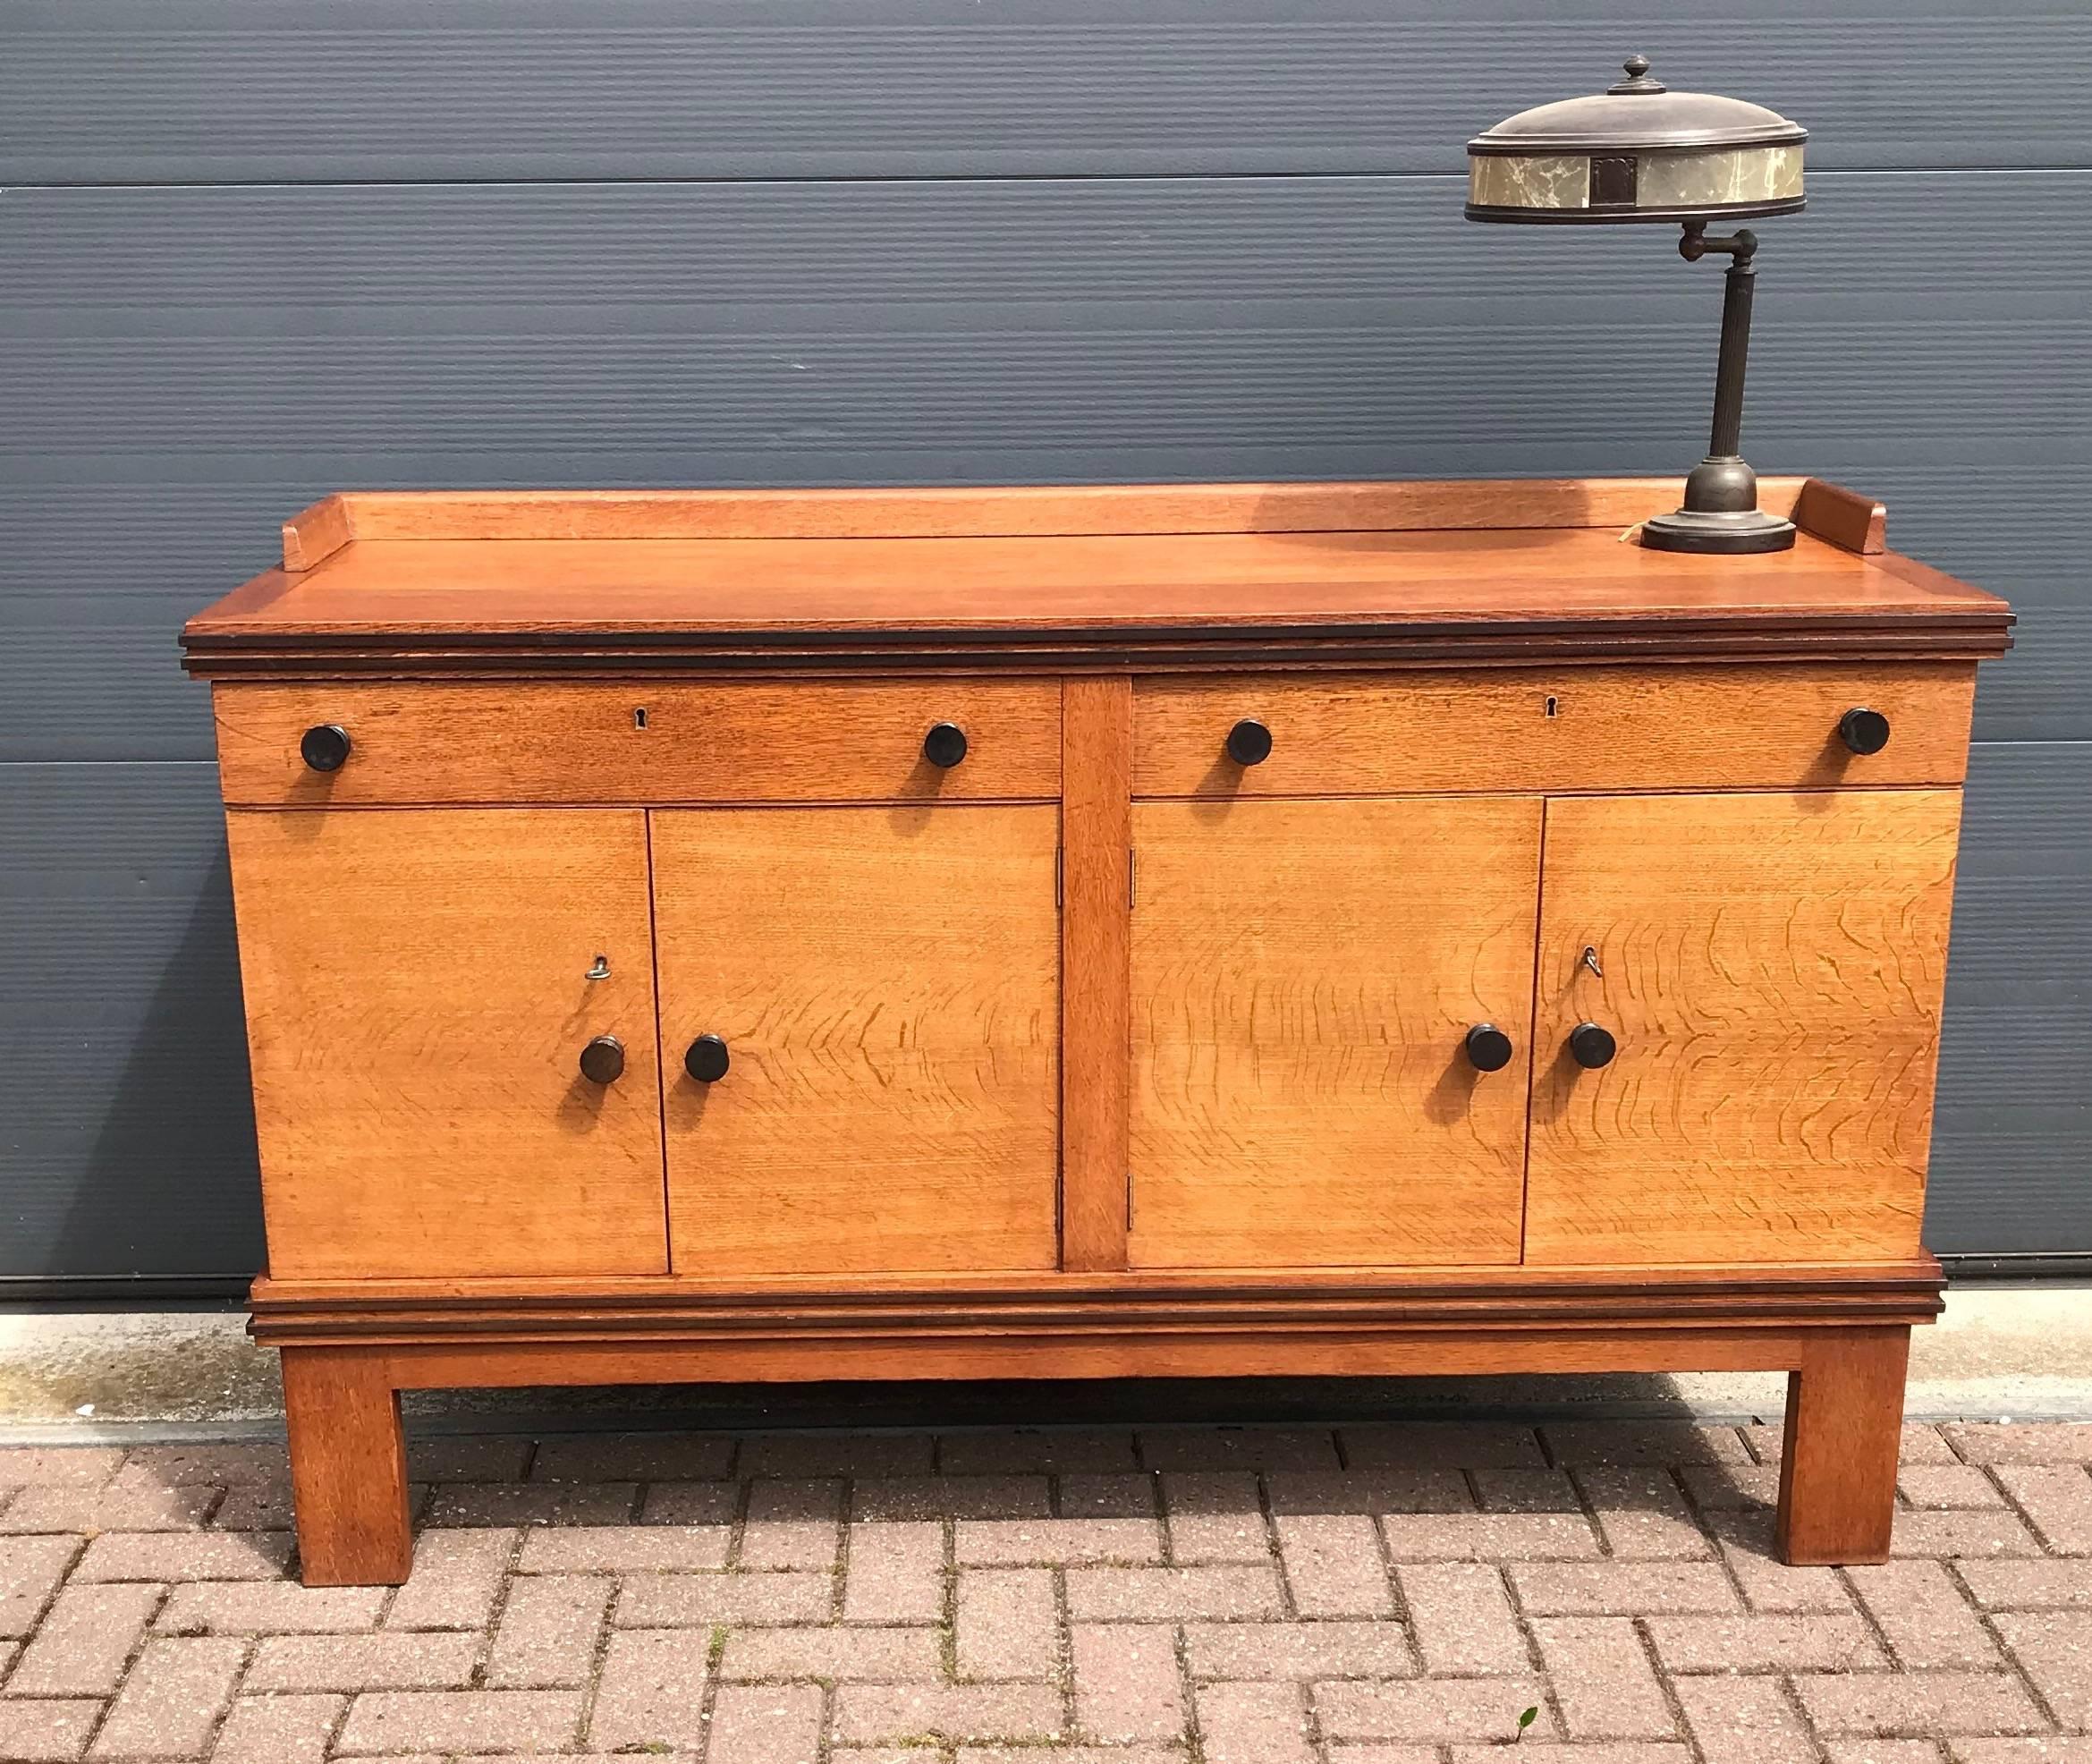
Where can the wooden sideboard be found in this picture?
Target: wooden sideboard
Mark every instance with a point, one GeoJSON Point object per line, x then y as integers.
{"type": "Point", "coordinates": [1079, 932]}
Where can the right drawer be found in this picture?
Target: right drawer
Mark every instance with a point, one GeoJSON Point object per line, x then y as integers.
{"type": "Point", "coordinates": [1768, 726]}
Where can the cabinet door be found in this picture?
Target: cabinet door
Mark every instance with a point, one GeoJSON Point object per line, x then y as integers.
{"type": "Point", "coordinates": [1770, 969]}
{"type": "Point", "coordinates": [417, 1000]}
{"type": "Point", "coordinates": [1305, 975]}
{"type": "Point", "coordinates": [886, 985]}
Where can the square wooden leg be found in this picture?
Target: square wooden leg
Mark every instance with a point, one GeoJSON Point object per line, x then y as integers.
{"type": "Point", "coordinates": [1838, 1462]}
{"type": "Point", "coordinates": [348, 1467]}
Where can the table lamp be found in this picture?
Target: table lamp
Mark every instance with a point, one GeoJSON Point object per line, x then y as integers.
{"type": "Point", "coordinates": [1638, 151]}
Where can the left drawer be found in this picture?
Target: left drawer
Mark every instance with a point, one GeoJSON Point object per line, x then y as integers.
{"type": "Point", "coordinates": [606, 743]}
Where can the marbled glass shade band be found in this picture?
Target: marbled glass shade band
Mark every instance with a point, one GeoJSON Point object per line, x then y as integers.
{"type": "Point", "coordinates": [1671, 184]}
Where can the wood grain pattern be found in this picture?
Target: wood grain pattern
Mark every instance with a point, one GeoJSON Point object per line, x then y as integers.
{"type": "Point", "coordinates": [555, 741]}
{"type": "Point", "coordinates": [348, 1467]}
{"type": "Point", "coordinates": [1554, 729]}
{"type": "Point", "coordinates": [315, 534]}
{"type": "Point", "coordinates": [1838, 1457]}
{"type": "Point", "coordinates": [886, 981]}
{"type": "Point", "coordinates": [1096, 835]}
{"type": "Point", "coordinates": [1303, 976]}
{"type": "Point", "coordinates": [415, 1008]}
{"type": "Point", "coordinates": [1854, 523]}
{"type": "Point", "coordinates": [1772, 967]}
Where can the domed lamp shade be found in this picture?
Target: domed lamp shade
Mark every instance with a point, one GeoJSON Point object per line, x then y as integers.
{"type": "Point", "coordinates": [1638, 151]}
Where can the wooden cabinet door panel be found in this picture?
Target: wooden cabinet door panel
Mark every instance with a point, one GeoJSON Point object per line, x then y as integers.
{"type": "Point", "coordinates": [1305, 974]}
{"type": "Point", "coordinates": [1771, 968]}
{"type": "Point", "coordinates": [417, 1004]}
{"type": "Point", "coordinates": [886, 981]}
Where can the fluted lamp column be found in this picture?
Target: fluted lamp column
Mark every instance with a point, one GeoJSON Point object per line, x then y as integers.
{"type": "Point", "coordinates": [1638, 151]}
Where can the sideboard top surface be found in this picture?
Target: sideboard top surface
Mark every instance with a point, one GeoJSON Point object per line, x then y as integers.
{"type": "Point", "coordinates": [1119, 576]}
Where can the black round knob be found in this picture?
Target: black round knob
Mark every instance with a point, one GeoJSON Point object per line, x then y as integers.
{"type": "Point", "coordinates": [1248, 742]}
{"type": "Point", "coordinates": [1591, 1046]}
{"type": "Point", "coordinates": [1488, 1047]}
{"type": "Point", "coordinates": [602, 1060]}
{"type": "Point", "coordinates": [706, 1060]}
{"type": "Point", "coordinates": [1864, 731]}
{"type": "Point", "coordinates": [325, 747]}
{"type": "Point", "coordinates": [944, 746]}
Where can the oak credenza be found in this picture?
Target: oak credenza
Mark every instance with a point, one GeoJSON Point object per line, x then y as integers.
{"type": "Point", "coordinates": [1078, 932]}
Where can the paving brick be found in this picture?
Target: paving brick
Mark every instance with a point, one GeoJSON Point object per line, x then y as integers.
{"type": "Point", "coordinates": [533, 1504]}
{"type": "Point", "coordinates": [1214, 1516]}
{"type": "Point", "coordinates": [1741, 1720]}
{"type": "Point", "coordinates": [547, 1632]}
{"type": "Point", "coordinates": [952, 1497]}
{"type": "Point", "coordinates": [456, 1578]}
{"type": "Point", "coordinates": [2026, 1442]}
{"type": "Point", "coordinates": [1127, 1684]}
{"type": "Point", "coordinates": [2058, 1499]}
{"type": "Point", "coordinates": [1922, 1612]}
{"type": "Point", "coordinates": [1488, 1537]}
{"type": "Point", "coordinates": [1526, 1491]}
{"type": "Point", "coordinates": [267, 1607]}
{"type": "Point", "coordinates": [793, 1524]}
{"type": "Point", "coordinates": [1764, 1643]}
{"type": "Point", "coordinates": [1152, 1594]}
{"type": "Point", "coordinates": [1889, 1704]}
{"type": "Point", "coordinates": [853, 1455]}
{"type": "Point", "coordinates": [1055, 1542]}
{"type": "Point", "coordinates": [1410, 1754]}
{"type": "Point", "coordinates": [1605, 1752]}
{"type": "Point", "coordinates": [2028, 1586]}
{"type": "Point", "coordinates": [910, 1712]}
{"type": "Point", "coordinates": [1642, 1514]}
{"type": "Point", "coordinates": [770, 1724]}
{"type": "Point", "coordinates": [1334, 1566]}
{"type": "Point", "coordinates": [1374, 1489]}
{"type": "Point", "coordinates": [144, 1507]}
{"type": "Point", "coordinates": [169, 1704]}
{"type": "Point", "coordinates": [1007, 1625]}
{"type": "Point", "coordinates": [651, 1690]}
{"type": "Point", "coordinates": [633, 1457]}
{"type": "Point", "coordinates": [625, 1549]}
{"type": "Point", "coordinates": [255, 1506]}
{"type": "Point", "coordinates": [1253, 1723]}
{"type": "Point", "coordinates": [39, 1733]}
{"type": "Point", "coordinates": [466, 1457]}
{"type": "Point", "coordinates": [896, 1571]}
{"type": "Point", "coordinates": [1622, 1589]}
{"type": "Point", "coordinates": [1298, 1650]}
{"type": "Point", "coordinates": [185, 1555]}
{"type": "Point", "coordinates": [1113, 1496]}
{"type": "Point", "coordinates": [85, 1642]}
{"type": "Point", "coordinates": [690, 1504]}
{"type": "Point", "coordinates": [1431, 1709]}
{"type": "Point", "coordinates": [30, 1569]}
{"type": "Point", "coordinates": [874, 1656]}
{"type": "Point", "coordinates": [277, 1730]}
{"type": "Point", "coordinates": [675, 1601]}
{"type": "Point", "coordinates": [2054, 1650]}
{"type": "Point", "coordinates": [466, 1721]}
{"type": "Point", "coordinates": [1239, 1448]}
{"type": "Point", "coordinates": [1920, 1443]}
{"type": "Point", "coordinates": [67, 1466]}
{"type": "Point", "coordinates": [1602, 1679]}
{"type": "Point", "coordinates": [2048, 1750]}
{"type": "Point", "coordinates": [381, 1660]}
{"type": "Point", "coordinates": [1462, 1618]}
{"type": "Point", "coordinates": [1731, 1487]}
{"type": "Point", "coordinates": [1640, 1442]}
{"type": "Point", "coordinates": [1883, 1751]}
{"type": "Point", "coordinates": [1989, 1533]}
{"type": "Point", "coordinates": [1041, 1451]}
{"type": "Point", "coordinates": [1027, 1754]}
{"type": "Point", "coordinates": [1949, 1485]}
{"type": "Point", "coordinates": [1768, 1583]}
{"type": "Point", "coordinates": [1442, 1445]}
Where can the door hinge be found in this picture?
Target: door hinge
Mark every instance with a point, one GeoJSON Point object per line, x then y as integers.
{"type": "Point", "coordinates": [1130, 887]}
{"type": "Point", "coordinates": [1128, 1202]}
{"type": "Point", "coordinates": [1059, 853]}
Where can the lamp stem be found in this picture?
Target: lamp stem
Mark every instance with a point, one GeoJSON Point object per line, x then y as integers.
{"type": "Point", "coordinates": [1738, 286]}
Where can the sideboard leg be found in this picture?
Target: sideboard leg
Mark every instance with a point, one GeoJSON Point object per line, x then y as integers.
{"type": "Point", "coordinates": [348, 1467]}
{"type": "Point", "coordinates": [1838, 1462]}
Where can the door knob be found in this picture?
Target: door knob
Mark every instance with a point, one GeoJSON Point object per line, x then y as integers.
{"type": "Point", "coordinates": [944, 746]}
{"type": "Point", "coordinates": [1248, 742]}
{"type": "Point", "coordinates": [325, 747]}
{"type": "Point", "coordinates": [602, 1060]}
{"type": "Point", "coordinates": [1591, 1046]}
{"type": "Point", "coordinates": [1488, 1047]}
{"type": "Point", "coordinates": [706, 1060]}
{"type": "Point", "coordinates": [1864, 731]}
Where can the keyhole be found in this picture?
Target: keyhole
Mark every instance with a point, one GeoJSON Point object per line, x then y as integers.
{"type": "Point", "coordinates": [639, 715]}
{"type": "Point", "coordinates": [1551, 705]}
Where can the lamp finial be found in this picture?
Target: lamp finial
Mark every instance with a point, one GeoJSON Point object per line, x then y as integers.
{"type": "Point", "coordinates": [1638, 77]}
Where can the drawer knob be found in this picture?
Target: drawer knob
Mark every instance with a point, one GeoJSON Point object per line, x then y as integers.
{"type": "Point", "coordinates": [325, 747]}
{"type": "Point", "coordinates": [944, 746]}
{"type": "Point", "coordinates": [1591, 1046]}
{"type": "Point", "coordinates": [1248, 742]}
{"type": "Point", "coordinates": [1488, 1047]}
{"type": "Point", "coordinates": [602, 1060]}
{"type": "Point", "coordinates": [1864, 731]}
{"type": "Point", "coordinates": [706, 1060]}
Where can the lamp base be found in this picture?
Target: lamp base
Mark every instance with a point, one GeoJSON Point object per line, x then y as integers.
{"type": "Point", "coordinates": [1732, 532]}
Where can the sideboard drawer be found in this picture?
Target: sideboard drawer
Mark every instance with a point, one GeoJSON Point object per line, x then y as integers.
{"type": "Point", "coordinates": [1761, 727]}
{"type": "Point", "coordinates": [645, 742]}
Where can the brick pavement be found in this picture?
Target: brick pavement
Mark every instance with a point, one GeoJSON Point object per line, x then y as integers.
{"type": "Point", "coordinates": [1366, 1595]}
